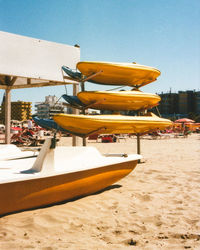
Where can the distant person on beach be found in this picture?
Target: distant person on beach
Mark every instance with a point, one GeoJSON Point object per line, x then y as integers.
{"type": "Point", "coordinates": [30, 124]}
{"type": "Point", "coordinates": [186, 131]}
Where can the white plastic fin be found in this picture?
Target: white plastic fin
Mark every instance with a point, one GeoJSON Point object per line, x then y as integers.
{"type": "Point", "coordinates": [45, 159]}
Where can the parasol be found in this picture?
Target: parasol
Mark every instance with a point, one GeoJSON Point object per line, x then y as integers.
{"type": "Point", "coordinates": [185, 120]}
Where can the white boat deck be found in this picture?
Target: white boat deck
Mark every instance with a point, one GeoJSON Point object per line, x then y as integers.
{"type": "Point", "coordinates": [56, 161]}
{"type": "Point", "coordinates": [10, 151]}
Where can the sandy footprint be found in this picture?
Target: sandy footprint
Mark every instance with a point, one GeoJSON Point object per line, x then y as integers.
{"type": "Point", "coordinates": [144, 197]}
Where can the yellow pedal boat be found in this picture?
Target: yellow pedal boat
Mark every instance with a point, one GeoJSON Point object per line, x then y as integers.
{"type": "Point", "coordinates": [118, 100]}
{"type": "Point", "coordinates": [58, 174]}
{"type": "Point", "coordinates": [84, 125]}
{"type": "Point", "coordinates": [129, 74]}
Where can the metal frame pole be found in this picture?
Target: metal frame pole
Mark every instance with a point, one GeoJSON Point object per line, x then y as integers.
{"type": "Point", "coordinates": [138, 141]}
{"type": "Point", "coordinates": [75, 111]}
{"type": "Point", "coordinates": [83, 110]}
{"type": "Point", "coordinates": [138, 145]}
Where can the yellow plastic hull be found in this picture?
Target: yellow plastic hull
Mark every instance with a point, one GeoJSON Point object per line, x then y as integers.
{"type": "Point", "coordinates": [130, 74]}
{"type": "Point", "coordinates": [37, 192]}
{"type": "Point", "coordinates": [83, 125]}
{"type": "Point", "coordinates": [118, 100]}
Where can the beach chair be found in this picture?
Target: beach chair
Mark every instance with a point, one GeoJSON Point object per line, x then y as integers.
{"type": "Point", "coordinates": [121, 137]}
{"type": "Point", "coordinates": [93, 137]}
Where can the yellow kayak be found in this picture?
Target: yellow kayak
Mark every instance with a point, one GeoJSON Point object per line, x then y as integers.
{"type": "Point", "coordinates": [83, 125]}
{"type": "Point", "coordinates": [130, 74]}
{"type": "Point", "coordinates": [118, 100]}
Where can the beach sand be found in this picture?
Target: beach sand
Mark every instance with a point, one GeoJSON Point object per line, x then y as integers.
{"type": "Point", "coordinates": [156, 207]}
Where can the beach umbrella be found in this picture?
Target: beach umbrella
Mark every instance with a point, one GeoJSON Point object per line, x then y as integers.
{"type": "Point", "coordinates": [185, 120]}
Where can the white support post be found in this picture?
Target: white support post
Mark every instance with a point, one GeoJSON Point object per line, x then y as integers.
{"type": "Point", "coordinates": [7, 115]}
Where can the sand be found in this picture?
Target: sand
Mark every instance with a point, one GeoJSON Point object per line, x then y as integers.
{"type": "Point", "coordinates": [156, 207]}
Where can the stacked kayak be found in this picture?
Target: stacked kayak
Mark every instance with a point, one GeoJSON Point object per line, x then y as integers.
{"type": "Point", "coordinates": [124, 74]}
{"type": "Point", "coordinates": [128, 74]}
{"type": "Point", "coordinates": [84, 125]}
{"type": "Point", "coordinates": [118, 100]}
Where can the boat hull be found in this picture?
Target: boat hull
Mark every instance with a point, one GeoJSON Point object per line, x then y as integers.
{"type": "Point", "coordinates": [118, 100]}
{"type": "Point", "coordinates": [38, 192]}
{"type": "Point", "coordinates": [83, 125]}
{"type": "Point", "coordinates": [130, 74]}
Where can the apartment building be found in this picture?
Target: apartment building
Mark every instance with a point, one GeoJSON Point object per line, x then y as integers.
{"type": "Point", "coordinates": [182, 103]}
{"type": "Point", "coordinates": [20, 111]}
{"type": "Point", "coordinates": [50, 107]}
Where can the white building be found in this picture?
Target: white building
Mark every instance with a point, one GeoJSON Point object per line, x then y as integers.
{"type": "Point", "coordinates": [50, 107]}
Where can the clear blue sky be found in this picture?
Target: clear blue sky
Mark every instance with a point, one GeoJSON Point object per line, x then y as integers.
{"type": "Point", "coordinates": [161, 33]}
